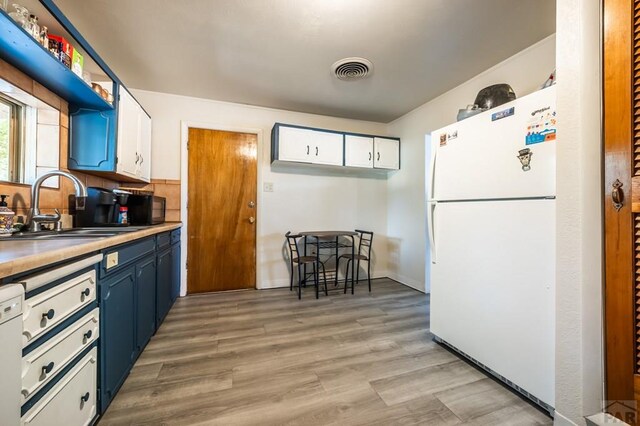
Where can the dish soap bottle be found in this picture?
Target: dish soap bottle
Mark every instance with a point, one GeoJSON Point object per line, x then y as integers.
{"type": "Point", "coordinates": [6, 216]}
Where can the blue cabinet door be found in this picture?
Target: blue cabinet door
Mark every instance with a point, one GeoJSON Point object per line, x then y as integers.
{"type": "Point", "coordinates": [163, 297]}
{"type": "Point", "coordinates": [92, 140]}
{"type": "Point", "coordinates": [118, 348]}
{"type": "Point", "coordinates": [145, 301]}
{"type": "Point", "coordinates": [175, 272]}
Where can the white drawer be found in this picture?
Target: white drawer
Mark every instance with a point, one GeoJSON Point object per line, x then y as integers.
{"type": "Point", "coordinates": [43, 363]}
{"type": "Point", "coordinates": [72, 401]}
{"type": "Point", "coordinates": [49, 308]}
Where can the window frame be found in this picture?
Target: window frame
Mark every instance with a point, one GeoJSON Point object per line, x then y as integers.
{"type": "Point", "coordinates": [16, 138]}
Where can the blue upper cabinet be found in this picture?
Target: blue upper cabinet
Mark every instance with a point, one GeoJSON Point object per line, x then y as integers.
{"type": "Point", "coordinates": [95, 142]}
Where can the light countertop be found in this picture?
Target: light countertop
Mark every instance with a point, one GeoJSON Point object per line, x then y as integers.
{"type": "Point", "coordinates": [19, 256]}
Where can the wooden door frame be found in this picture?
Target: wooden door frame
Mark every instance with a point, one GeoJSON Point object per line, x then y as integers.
{"type": "Point", "coordinates": [184, 190]}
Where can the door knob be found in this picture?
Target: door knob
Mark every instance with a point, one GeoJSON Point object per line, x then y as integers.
{"type": "Point", "coordinates": [251, 204]}
{"type": "Point", "coordinates": [252, 219]}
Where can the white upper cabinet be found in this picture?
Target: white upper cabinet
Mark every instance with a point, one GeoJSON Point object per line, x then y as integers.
{"type": "Point", "coordinates": [296, 144]}
{"type": "Point", "coordinates": [358, 151]}
{"type": "Point", "coordinates": [309, 146]}
{"type": "Point", "coordinates": [144, 164]}
{"type": "Point", "coordinates": [329, 148]}
{"type": "Point", "coordinates": [134, 139]}
{"type": "Point", "coordinates": [386, 153]}
{"type": "Point", "coordinates": [128, 135]}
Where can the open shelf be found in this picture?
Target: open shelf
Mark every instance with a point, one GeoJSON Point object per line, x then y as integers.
{"type": "Point", "coordinates": [21, 50]}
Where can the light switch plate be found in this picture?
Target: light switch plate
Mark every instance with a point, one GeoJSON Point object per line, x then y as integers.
{"type": "Point", "coordinates": [112, 260]}
{"type": "Point", "coordinates": [268, 187]}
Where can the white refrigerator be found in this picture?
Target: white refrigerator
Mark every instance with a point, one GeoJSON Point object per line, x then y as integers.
{"type": "Point", "coordinates": [491, 225]}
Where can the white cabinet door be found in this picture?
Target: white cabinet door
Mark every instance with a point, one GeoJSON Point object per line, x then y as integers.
{"type": "Point", "coordinates": [128, 134]}
{"type": "Point", "coordinates": [295, 144]}
{"type": "Point", "coordinates": [358, 151]}
{"type": "Point", "coordinates": [144, 165]}
{"type": "Point", "coordinates": [328, 148]}
{"type": "Point", "coordinates": [71, 401]}
{"type": "Point", "coordinates": [386, 153]}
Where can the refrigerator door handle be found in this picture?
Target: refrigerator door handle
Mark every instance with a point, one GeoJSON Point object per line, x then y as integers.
{"type": "Point", "coordinates": [431, 184]}
{"type": "Point", "coordinates": [431, 211]}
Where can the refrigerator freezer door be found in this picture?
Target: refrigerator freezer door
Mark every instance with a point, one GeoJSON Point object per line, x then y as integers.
{"type": "Point", "coordinates": [493, 285]}
{"type": "Point", "coordinates": [477, 158]}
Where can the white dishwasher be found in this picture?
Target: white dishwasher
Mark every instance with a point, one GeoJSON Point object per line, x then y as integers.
{"type": "Point", "coordinates": [11, 302]}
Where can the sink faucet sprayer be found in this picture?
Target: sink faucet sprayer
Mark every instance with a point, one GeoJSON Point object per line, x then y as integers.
{"type": "Point", "coordinates": [36, 218]}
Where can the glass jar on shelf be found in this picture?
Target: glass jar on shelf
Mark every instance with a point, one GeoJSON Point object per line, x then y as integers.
{"type": "Point", "coordinates": [20, 15]}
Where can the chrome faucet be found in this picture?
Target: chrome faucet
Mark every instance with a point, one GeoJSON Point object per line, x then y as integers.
{"type": "Point", "coordinates": [37, 218]}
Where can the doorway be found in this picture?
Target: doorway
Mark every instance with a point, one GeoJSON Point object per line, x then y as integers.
{"type": "Point", "coordinates": [221, 210]}
{"type": "Point", "coordinates": [621, 209]}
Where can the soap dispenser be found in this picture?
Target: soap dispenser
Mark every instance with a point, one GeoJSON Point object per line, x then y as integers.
{"type": "Point", "coordinates": [6, 217]}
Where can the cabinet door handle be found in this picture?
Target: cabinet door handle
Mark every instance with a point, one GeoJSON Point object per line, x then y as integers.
{"type": "Point", "coordinates": [378, 159]}
{"type": "Point", "coordinates": [49, 314]}
{"type": "Point", "coordinates": [88, 335]}
{"type": "Point", "coordinates": [316, 151]}
{"type": "Point", "coordinates": [46, 369]}
{"type": "Point", "coordinates": [141, 160]}
{"type": "Point", "coordinates": [307, 149]}
{"type": "Point", "coordinates": [617, 196]}
{"type": "Point", "coordinates": [85, 397]}
{"type": "Point", "coordinates": [86, 292]}
{"type": "Point", "coordinates": [369, 156]}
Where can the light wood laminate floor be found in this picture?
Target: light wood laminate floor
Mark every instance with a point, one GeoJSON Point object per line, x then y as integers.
{"type": "Point", "coordinates": [266, 358]}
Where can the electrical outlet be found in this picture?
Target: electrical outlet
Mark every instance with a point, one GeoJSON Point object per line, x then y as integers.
{"type": "Point", "coordinates": [112, 260]}
{"type": "Point", "coordinates": [268, 187]}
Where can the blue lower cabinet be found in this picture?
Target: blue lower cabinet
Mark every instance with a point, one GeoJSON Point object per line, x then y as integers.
{"type": "Point", "coordinates": [135, 297]}
{"type": "Point", "coordinates": [165, 275]}
{"type": "Point", "coordinates": [118, 346]}
{"type": "Point", "coordinates": [175, 271]}
{"type": "Point", "coordinates": [145, 301]}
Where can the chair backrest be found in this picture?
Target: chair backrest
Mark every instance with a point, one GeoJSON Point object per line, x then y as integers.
{"type": "Point", "coordinates": [366, 240]}
{"type": "Point", "coordinates": [292, 242]}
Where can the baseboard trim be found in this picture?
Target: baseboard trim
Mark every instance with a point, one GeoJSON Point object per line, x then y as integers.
{"type": "Point", "coordinates": [409, 282]}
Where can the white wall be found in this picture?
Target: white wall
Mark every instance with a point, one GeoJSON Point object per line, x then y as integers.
{"type": "Point", "coordinates": [305, 200]}
{"type": "Point", "coordinates": [579, 353]}
{"type": "Point", "coordinates": [409, 257]}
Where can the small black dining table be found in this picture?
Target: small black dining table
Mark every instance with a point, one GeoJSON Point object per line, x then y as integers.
{"type": "Point", "coordinates": [330, 240]}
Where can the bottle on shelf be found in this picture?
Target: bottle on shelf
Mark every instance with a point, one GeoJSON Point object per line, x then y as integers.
{"type": "Point", "coordinates": [44, 37]}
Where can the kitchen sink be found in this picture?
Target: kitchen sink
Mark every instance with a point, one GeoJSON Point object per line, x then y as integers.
{"type": "Point", "coordinates": [73, 233]}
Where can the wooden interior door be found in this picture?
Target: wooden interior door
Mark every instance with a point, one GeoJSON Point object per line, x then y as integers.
{"type": "Point", "coordinates": [621, 71]}
{"type": "Point", "coordinates": [221, 211]}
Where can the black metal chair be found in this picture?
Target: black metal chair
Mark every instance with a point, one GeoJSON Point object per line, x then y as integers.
{"type": "Point", "coordinates": [364, 255]}
{"type": "Point", "coordinates": [295, 258]}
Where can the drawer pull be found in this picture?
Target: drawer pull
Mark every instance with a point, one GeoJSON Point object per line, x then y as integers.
{"type": "Point", "coordinates": [46, 369]}
{"type": "Point", "coordinates": [85, 397]}
{"type": "Point", "coordinates": [86, 292]}
{"type": "Point", "coordinates": [88, 335]}
{"type": "Point", "coordinates": [49, 314]}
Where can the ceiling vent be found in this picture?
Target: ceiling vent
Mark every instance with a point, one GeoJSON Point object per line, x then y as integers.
{"type": "Point", "coordinates": [350, 69]}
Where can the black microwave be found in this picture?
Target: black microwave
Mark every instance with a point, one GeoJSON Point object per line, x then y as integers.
{"type": "Point", "coordinates": [146, 209]}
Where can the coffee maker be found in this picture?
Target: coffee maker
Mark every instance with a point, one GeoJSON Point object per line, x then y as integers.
{"type": "Point", "coordinates": [102, 207]}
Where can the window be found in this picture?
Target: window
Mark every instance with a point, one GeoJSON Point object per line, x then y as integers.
{"type": "Point", "coordinates": [11, 136]}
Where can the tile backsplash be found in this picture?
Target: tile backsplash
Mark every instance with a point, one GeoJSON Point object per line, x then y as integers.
{"type": "Point", "coordinates": [167, 188]}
